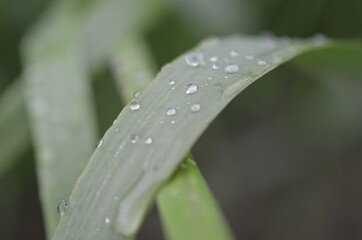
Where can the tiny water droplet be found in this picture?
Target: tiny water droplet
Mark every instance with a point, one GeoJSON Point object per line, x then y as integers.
{"type": "Point", "coordinates": [171, 82]}
{"type": "Point", "coordinates": [195, 108]}
{"type": "Point", "coordinates": [133, 138]}
{"type": "Point", "coordinates": [148, 140]}
{"type": "Point", "coordinates": [171, 111]}
{"type": "Point", "coordinates": [137, 94]}
{"type": "Point", "coordinates": [215, 66]}
{"type": "Point", "coordinates": [117, 129]}
{"type": "Point", "coordinates": [173, 122]}
{"type": "Point", "coordinates": [190, 89]}
{"type": "Point", "coordinates": [107, 220]}
{"type": "Point", "coordinates": [213, 58]}
{"type": "Point", "coordinates": [99, 143]}
{"type": "Point", "coordinates": [62, 207]}
{"type": "Point", "coordinates": [234, 53]}
{"type": "Point", "coordinates": [134, 106]}
{"type": "Point", "coordinates": [231, 68]}
{"type": "Point", "coordinates": [249, 57]}
{"type": "Point", "coordinates": [209, 78]}
{"type": "Point", "coordinates": [261, 62]}
{"type": "Point", "coordinates": [194, 59]}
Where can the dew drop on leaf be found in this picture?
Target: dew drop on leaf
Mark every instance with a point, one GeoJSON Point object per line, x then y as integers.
{"type": "Point", "coordinates": [194, 59]}
{"type": "Point", "coordinates": [107, 220]}
{"type": "Point", "coordinates": [234, 53]}
{"type": "Point", "coordinates": [134, 106]}
{"type": "Point", "coordinates": [190, 89]}
{"type": "Point", "coordinates": [215, 66]}
{"type": "Point", "coordinates": [99, 143]}
{"type": "Point", "coordinates": [213, 58]}
{"type": "Point", "coordinates": [62, 207]}
{"type": "Point", "coordinates": [195, 107]}
{"type": "Point", "coordinates": [261, 62]}
{"type": "Point", "coordinates": [133, 138]}
{"type": "Point", "coordinates": [231, 68]}
{"type": "Point", "coordinates": [148, 140]}
{"type": "Point", "coordinates": [171, 111]}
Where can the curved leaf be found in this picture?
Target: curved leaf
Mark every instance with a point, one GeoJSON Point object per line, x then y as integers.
{"type": "Point", "coordinates": [121, 179]}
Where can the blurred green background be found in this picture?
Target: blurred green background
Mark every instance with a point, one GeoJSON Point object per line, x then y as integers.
{"type": "Point", "coordinates": [284, 159]}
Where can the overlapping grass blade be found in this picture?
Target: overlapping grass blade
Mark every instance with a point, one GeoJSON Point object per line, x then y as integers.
{"type": "Point", "coordinates": [124, 174]}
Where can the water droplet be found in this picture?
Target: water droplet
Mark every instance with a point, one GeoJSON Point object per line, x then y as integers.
{"type": "Point", "coordinates": [62, 207]}
{"type": "Point", "coordinates": [195, 108]}
{"type": "Point", "coordinates": [137, 94]}
{"type": "Point", "coordinates": [234, 53]}
{"type": "Point", "coordinates": [226, 77]}
{"type": "Point", "coordinates": [249, 57]}
{"type": "Point", "coordinates": [171, 111]}
{"type": "Point", "coordinates": [231, 68]}
{"type": "Point", "coordinates": [148, 140]}
{"type": "Point", "coordinates": [173, 122]}
{"type": "Point", "coordinates": [194, 59]}
{"type": "Point", "coordinates": [261, 62]}
{"type": "Point", "coordinates": [190, 89]}
{"type": "Point", "coordinates": [117, 129]}
{"type": "Point", "coordinates": [107, 220]}
{"type": "Point", "coordinates": [99, 143]}
{"type": "Point", "coordinates": [133, 138]}
{"type": "Point", "coordinates": [209, 78]}
{"type": "Point", "coordinates": [134, 106]}
{"type": "Point", "coordinates": [215, 66]}
{"type": "Point", "coordinates": [213, 58]}
{"type": "Point", "coordinates": [171, 82]}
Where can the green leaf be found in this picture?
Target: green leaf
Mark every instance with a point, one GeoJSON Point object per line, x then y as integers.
{"type": "Point", "coordinates": [122, 177]}
{"type": "Point", "coordinates": [188, 209]}
{"type": "Point", "coordinates": [14, 133]}
{"type": "Point", "coordinates": [134, 70]}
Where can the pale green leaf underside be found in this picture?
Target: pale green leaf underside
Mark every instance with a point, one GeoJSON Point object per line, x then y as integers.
{"type": "Point", "coordinates": [121, 179]}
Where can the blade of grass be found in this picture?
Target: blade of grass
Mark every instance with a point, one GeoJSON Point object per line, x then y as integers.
{"type": "Point", "coordinates": [122, 177]}
{"type": "Point", "coordinates": [14, 133]}
{"type": "Point", "coordinates": [59, 103]}
{"type": "Point", "coordinates": [134, 69]}
{"type": "Point", "coordinates": [188, 209]}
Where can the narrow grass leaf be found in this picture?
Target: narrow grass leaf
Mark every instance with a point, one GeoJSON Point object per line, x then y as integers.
{"type": "Point", "coordinates": [14, 130]}
{"type": "Point", "coordinates": [122, 177]}
{"type": "Point", "coordinates": [188, 209]}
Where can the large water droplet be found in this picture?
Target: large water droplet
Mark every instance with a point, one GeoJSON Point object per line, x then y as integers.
{"type": "Point", "coordinates": [190, 89]}
{"type": "Point", "coordinates": [171, 111]}
{"type": "Point", "coordinates": [99, 143]}
{"type": "Point", "coordinates": [234, 53]}
{"type": "Point", "coordinates": [194, 59]}
{"type": "Point", "coordinates": [134, 106]}
{"type": "Point", "coordinates": [133, 138]}
{"type": "Point", "coordinates": [62, 207]}
{"type": "Point", "coordinates": [195, 108]}
{"type": "Point", "coordinates": [148, 140]}
{"type": "Point", "coordinates": [231, 68]}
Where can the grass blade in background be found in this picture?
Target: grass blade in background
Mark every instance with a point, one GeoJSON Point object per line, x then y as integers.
{"type": "Point", "coordinates": [121, 179]}
{"type": "Point", "coordinates": [134, 70]}
{"type": "Point", "coordinates": [188, 209]}
{"type": "Point", "coordinates": [59, 101]}
{"type": "Point", "coordinates": [14, 132]}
